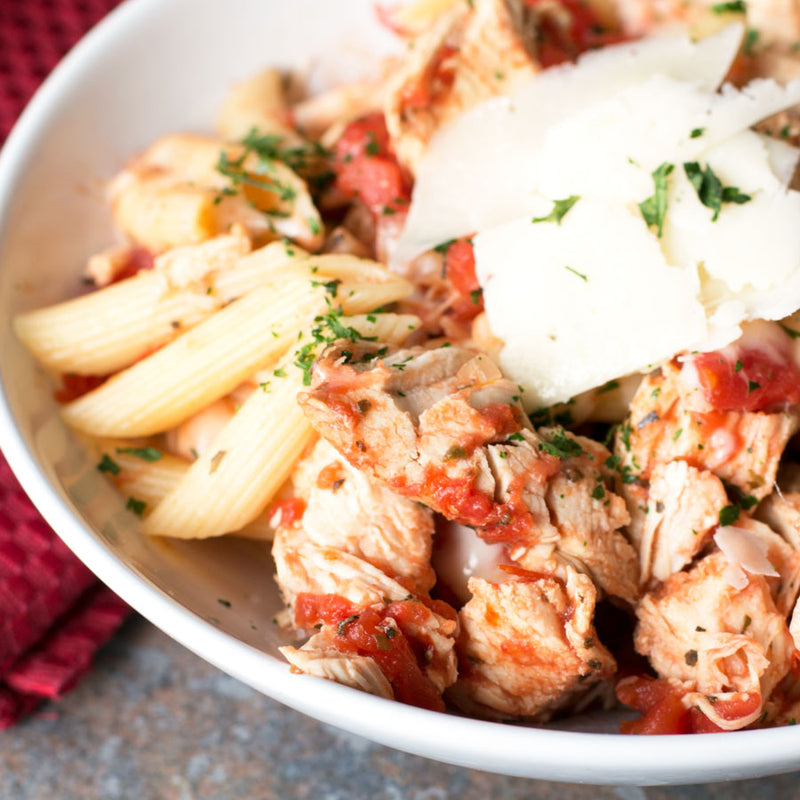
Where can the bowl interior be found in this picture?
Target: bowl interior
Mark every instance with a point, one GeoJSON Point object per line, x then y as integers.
{"type": "Point", "coordinates": [154, 68]}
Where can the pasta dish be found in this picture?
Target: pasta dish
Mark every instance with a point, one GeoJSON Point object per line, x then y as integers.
{"type": "Point", "coordinates": [496, 350]}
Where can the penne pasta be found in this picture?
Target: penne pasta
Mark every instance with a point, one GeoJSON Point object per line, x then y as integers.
{"type": "Point", "coordinates": [159, 214]}
{"type": "Point", "coordinates": [229, 183]}
{"type": "Point", "coordinates": [110, 329]}
{"type": "Point", "coordinates": [256, 103]}
{"type": "Point", "coordinates": [211, 359]}
{"type": "Point", "coordinates": [235, 480]}
{"type": "Point", "coordinates": [147, 475]}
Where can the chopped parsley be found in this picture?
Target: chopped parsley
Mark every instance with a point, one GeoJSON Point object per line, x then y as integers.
{"type": "Point", "coordinates": [607, 387]}
{"type": "Point", "coordinates": [560, 209]}
{"type": "Point", "coordinates": [697, 133]}
{"type": "Point", "coordinates": [331, 287]}
{"type": "Point", "coordinates": [107, 464]}
{"type": "Point", "coordinates": [263, 180]}
{"type": "Point", "coordinates": [145, 453]}
{"type": "Point", "coordinates": [583, 277]}
{"type": "Point", "coordinates": [752, 386]}
{"type": "Point", "coordinates": [137, 506]}
{"type": "Point", "coordinates": [735, 7]}
{"type": "Point", "coordinates": [561, 445]}
{"type": "Point", "coordinates": [455, 452]}
{"type": "Point", "coordinates": [599, 492]}
{"type": "Point", "coordinates": [728, 515]}
{"type": "Point", "coordinates": [654, 209]}
{"type": "Point", "coordinates": [341, 628]}
{"type": "Point", "coordinates": [709, 188]}
{"type": "Point", "coordinates": [793, 333]}
{"type": "Point", "coordinates": [738, 367]}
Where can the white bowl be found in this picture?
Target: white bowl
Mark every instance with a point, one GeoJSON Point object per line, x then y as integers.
{"type": "Point", "coordinates": [154, 67]}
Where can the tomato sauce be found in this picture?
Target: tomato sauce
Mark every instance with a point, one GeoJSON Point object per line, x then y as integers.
{"type": "Point", "coordinates": [434, 82]}
{"type": "Point", "coordinates": [74, 386]}
{"type": "Point", "coordinates": [368, 632]}
{"type": "Point", "coordinates": [138, 259]}
{"type": "Point", "coordinates": [289, 511]}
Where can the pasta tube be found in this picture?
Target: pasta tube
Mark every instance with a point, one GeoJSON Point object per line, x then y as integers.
{"type": "Point", "coordinates": [214, 357]}
{"type": "Point", "coordinates": [235, 480]}
{"type": "Point", "coordinates": [109, 329]}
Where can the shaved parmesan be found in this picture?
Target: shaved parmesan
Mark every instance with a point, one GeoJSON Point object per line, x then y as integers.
{"type": "Point", "coordinates": [595, 293]}
{"type": "Point", "coordinates": [476, 171]}
{"type": "Point", "coordinates": [744, 551]}
{"type": "Point", "coordinates": [571, 288]}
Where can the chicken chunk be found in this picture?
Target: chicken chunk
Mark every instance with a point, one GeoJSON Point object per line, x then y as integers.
{"type": "Point", "coordinates": [528, 646]}
{"type": "Point", "coordinates": [781, 510]}
{"type": "Point", "coordinates": [669, 420]}
{"type": "Point", "coordinates": [357, 551]}
{"type": "Point", "coordinates": [471, 53]}
{"type": "Point", "coordinates": [320, 657]}
{"type": "Point", "coordinates": [727, 648]}
{"type": "Point", "coordinates": [443, 427]}
{"type": "Point", "coordinates": [683, 506]}
{"type": "Point", "coordinates": [347, 511]}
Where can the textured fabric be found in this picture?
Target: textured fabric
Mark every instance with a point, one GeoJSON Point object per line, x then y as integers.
{"type": "Point", "coordinates": [53, 613]}
{"type": "Point", "coordinates": [34, 36]}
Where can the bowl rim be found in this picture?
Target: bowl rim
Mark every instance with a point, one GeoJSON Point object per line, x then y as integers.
{"type": "Point", "coordinates": [491, 746]}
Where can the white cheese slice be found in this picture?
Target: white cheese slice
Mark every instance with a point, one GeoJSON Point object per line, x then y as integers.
{"type": "Point", "coordinates": [575, 308]}
{"type": "Point", "coordinates": [477, 172]}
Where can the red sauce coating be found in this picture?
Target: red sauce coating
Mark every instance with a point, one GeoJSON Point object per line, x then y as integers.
{"type": "Point", "coordinates": [755, 381]}
{"type": "Point", "coordinates": [368, 632]}
{"type": "Point", "coordinates": [139, 258]}
{"type": "Point", "coordinates": [74, 386]}
{"type": "Point", "coordinates": [290, 509]}
{"type": "Point", "coordinates": [434, 82]}
{"type": "Point", "coordinates": [459, 265]}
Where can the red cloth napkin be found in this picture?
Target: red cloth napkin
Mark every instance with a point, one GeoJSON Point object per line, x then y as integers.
{"type": "Point", "coordinates": [54, 614]}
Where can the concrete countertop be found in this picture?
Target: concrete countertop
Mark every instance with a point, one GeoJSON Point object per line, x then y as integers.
{"type": "Point", "coordinates": [155, 722]}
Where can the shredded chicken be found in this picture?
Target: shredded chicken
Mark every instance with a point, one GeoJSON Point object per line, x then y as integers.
{"type": "Point", "coordinates": [320, 657]}
{"type": "Point", "coordinates": [528, 646]}
{"type": "Point", "coordinates": [727, 648]}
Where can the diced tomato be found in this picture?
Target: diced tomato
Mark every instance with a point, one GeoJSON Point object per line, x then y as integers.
{"type": "Point", "coordinates": [663, 710]}
{"type": "Point", "coordinates": [366, 168]}
{"type": "Point", "coordinates": [560, 43]}
{"type": "Point", "coordinates": [366, 136]}
{"type": "Point", "coordinates": [459, 266]}
{"type": "Point", "coordinates": [74, 386]}
{"type": "Point", "coordinates": [753, 381]}
{"type": "Point", "coordinates": [376, 181]}
{"type": "Point", "coordinates": [660, 704]}
{"type": "Point", "coordinates": [369, 632]}
{"type": "Point", "coordinates": [289, 510]}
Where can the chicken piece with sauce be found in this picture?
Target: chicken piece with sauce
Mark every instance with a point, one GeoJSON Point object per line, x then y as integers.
{"type": "Point", "coordinates": [353, 561]}
{"type": "Point", "coordinates": [443, 427]}
{"type": "Point", "coordinates": [528, 645]}
{"type": "Point", "coordinates": [725, 648]}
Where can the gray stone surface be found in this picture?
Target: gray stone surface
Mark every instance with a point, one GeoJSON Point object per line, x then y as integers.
{"type": "Point", "coordinates": [154, 722]}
